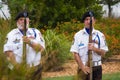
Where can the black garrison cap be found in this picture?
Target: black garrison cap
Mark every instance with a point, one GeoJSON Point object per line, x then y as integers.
{"type": "Point", "coordinates": [21, 14]}
{"type": "Point", "coordinates": [87, 14]}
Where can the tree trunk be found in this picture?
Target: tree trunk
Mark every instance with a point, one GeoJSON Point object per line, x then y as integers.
{"type": "Point", "coordinates": [109, 11]}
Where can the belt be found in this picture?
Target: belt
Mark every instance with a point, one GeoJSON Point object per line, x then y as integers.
{"type": "Point", "coordinates": [97, 63]}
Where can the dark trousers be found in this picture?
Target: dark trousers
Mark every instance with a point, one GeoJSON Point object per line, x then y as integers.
{"type": "Point", "coordinates": [97, 74]}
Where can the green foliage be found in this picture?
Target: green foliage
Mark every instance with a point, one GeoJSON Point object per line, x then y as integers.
{"type": "Point", "coordinates": [69, 28]}
{"type": "Point", "coordinates": [50, 12]}
{"type": "Point", "coordinates": [66, 10]}
{"type": "Point", "coordinates": [34, 8]}
{"type": "Point", "coordinates": [57, 50]}
{"type": "Point", "coordinates": [4, 28]}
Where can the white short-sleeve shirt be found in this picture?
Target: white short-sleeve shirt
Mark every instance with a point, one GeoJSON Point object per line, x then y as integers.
{"type": "Point", "coordinates": [15, 43]}
{"type": "Point", "coordinates": [80, 44]}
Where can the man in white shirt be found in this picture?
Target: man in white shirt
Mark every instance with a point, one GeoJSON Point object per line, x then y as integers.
{"type": "Point", "coordinates": [81, 46]}
{"type": "Point", "coordinates": [34, 41]}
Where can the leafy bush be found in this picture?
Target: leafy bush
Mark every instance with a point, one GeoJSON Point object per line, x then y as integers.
{"type": "Point", "coordinates": [57, 50]}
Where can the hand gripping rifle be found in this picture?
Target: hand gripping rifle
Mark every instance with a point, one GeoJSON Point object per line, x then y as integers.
{"type": "Point", "coordinates": [89, 51]}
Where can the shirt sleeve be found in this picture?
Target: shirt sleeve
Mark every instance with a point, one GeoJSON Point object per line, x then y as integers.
{"type": "Point", "coordinates": [103, 43]}
{"type": "Point", "coordinates": [8, 46]}
{"type": "Point", "coordinates": [40, 38]}
{"type": "Point", "coordinates": [74, 47]}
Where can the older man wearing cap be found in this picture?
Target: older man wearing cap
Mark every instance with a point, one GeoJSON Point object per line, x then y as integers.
{"type": "Point", "coordinates": [81, 46]}
{"type": "Point", "coordinates": [35, 43]}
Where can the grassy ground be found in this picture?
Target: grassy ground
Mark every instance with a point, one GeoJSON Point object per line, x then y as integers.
{"type": "Point", "coordinates": [112, 76]}
{"type": "Point", "coordinates": [115, 76]}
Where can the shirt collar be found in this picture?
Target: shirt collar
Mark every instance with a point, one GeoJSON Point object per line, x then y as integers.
{"type": "Point", "coordinates": [93, 31]}
{"type": "Point", "coordinates": [20, 32]}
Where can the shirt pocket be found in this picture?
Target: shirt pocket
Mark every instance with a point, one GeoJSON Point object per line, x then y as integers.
{"type": "Point", "coordinates": [83, 50]}
{"type": "Point", "coordinates": [18, 49]}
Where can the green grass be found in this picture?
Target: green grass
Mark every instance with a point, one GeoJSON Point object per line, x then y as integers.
{"type": "Point", "coordinates": [112, 76]}
{"type": "Point", "coordinates": [61, 78]}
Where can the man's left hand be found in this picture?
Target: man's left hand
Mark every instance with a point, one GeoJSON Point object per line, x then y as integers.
{"type": "Point", "coordinates": [26, 39]}
{"type": "Point", "coordinates": [91, 46]}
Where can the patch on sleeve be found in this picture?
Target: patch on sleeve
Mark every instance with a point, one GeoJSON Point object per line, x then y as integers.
{"type": "Point", "coordinates": [41, 38]}
{"type": "Point", "coordinates": [103, 37]}
{"type": "Point", "coordinates": [104, 40]}
{"type": "Point", "coordinates": [73, 41]}
{"type": "Point", "coordinates": [6, 40]}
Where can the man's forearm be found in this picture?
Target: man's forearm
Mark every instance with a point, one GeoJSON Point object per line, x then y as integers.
{"type": "Point", "coordinates": [99, 51]}
{"type": "Point", "coordinates": [78, 60]}
{"type": "Point", "coordinates": [11, 57]}
{"type": "Point", "coordinates": [37, 47]}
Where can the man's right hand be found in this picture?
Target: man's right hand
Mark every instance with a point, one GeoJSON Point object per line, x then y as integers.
{"type": "Point", "coordinates": [11, 57]}
{"type": "Point", "coordinates": [85, 69]}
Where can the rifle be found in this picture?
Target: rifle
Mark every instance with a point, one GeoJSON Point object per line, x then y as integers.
{"type": "Point", "coordinates": [24, 33]}
{"type": "Point", "coordinates": [89, 51]}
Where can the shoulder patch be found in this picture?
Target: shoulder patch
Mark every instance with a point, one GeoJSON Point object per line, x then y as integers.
{"type": "Point", "coordinates": [103, 37]}
{"type": "Point", "coordinates": [73, 41]}
{"type": "Point", "coordinates": [41, 38]}
{"type": "Point", "coordinates": [6, 39]}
